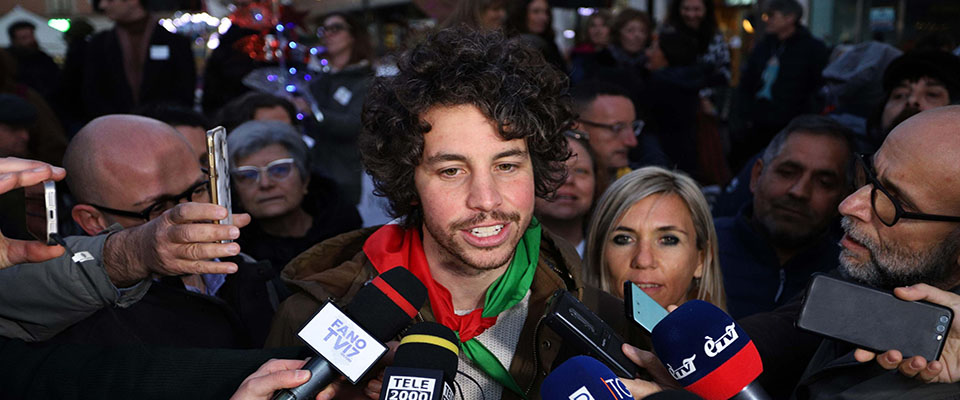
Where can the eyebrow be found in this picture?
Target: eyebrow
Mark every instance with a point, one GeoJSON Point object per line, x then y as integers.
{"type": "Point", "coordinates": [441, 157]}
{"type": "Point", "coordinates": [660, 229]}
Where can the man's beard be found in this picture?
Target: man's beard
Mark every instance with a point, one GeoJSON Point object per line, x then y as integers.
{"type": "Point", "coordinates": [891, 267]}
{"type": "Point", "coordinates": [445, 238]}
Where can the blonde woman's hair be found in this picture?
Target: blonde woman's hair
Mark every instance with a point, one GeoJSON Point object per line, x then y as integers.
{"type": "Point", "coordinates": [636, 186]}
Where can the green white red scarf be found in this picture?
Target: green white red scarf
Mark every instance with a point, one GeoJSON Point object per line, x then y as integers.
{"type": "Point", "coordinates": [391, 245]}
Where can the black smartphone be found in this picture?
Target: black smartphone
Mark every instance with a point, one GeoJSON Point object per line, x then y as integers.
{"type": "Point", "coordinates": [874, 319]}
{"type": "Point", "coordinates": [641, 308]}
{"type": "Point", "coordinates": [573, 321]}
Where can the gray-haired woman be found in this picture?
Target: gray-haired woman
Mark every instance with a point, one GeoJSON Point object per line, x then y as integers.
{"type": "Point", "coordinates": [291, 210]}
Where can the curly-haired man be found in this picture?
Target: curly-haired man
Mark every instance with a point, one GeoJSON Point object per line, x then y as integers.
{"type": "Point", "coordinates": [460, 141]}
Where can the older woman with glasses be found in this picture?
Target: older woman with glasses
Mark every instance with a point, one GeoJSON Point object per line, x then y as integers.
{"type": "Point", "coordinates": [291, 210]}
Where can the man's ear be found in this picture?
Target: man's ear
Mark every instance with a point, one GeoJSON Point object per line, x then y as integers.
{"type": "Point", "coordinates": [90, 219]}
{"type": "Point", "coordinates": [755, 175]}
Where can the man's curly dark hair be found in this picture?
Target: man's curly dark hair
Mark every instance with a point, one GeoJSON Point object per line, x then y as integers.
{"type": "Point", "coordinates": [509, 82]}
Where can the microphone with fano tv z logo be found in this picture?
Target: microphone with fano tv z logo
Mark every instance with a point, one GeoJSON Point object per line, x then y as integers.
{"type": "Point", "coordinates": [583, 378]}
{"type": "Point", "coordinates": [424, 366]}
{"type": "Point", "coordinates": [708, 353]}
{"type": "Point", "coordinates": [349, 342]}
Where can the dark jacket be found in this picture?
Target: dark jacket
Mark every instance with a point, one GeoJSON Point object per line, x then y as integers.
{"type": "Point", "coordinates": [37, 70]}
{"type": "Point", "coordinates": [340, 96]}
{"type": "Point", "coordinates": [170, 315]}
{"type": "Point", "coordinates": [169, 74]}
{"type": "Point", "coordinates": [752, 275]}
{"type": "Point", "coordinates": [69, 372]}
{"type": "Point", "coordinates": [669, 103]}
{"type": "Point", "coordinates": [337, 268]}
{"type": "Point", "coordinates": [226, 67]}
{"type": "Point", "coordinates": [802, 59]}
{"type": "Point", "coordinates": [800, 365]}
{"type": "Point", "coordinates": [332, 215]}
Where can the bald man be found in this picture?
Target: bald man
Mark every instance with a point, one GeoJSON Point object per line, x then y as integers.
{"type": "Point", "coordinates": [127, 170]}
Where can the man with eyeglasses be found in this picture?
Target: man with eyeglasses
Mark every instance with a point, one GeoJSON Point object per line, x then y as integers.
{"type": "Point", "coordinates": [902, 230]}
{"type": "Point", "coordinates": [608, 116]}
{"type": "Point", "coordinates": [126, 171]}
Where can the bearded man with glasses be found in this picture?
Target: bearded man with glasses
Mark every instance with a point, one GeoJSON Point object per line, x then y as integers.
{"type": "Point", "coordinates": [128, 171]}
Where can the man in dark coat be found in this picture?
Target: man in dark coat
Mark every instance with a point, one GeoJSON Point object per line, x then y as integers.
{"type": "Point", "coordinates": [136, 62]}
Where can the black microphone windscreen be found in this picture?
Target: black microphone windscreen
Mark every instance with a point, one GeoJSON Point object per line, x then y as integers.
{"type": "Point", "coordinates": [429, 345]}
{"type": "Point", "coordinates": [385, 306]}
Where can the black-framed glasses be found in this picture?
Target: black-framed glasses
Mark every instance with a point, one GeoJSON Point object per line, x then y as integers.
{"type": "Point", "coordinates": [636, 127]}
{"type": "Point", "coordinates": [886, 207]}
{"type": "Point", "coordinates": [196, 191]}
{"type": "Point", "coordinates": [277, 170]}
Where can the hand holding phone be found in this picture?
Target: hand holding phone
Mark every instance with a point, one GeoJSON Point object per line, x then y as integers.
{"type": "Point", "coordinates": [16, 173]}
{"type": "Point", "coordinates": [874, 319]}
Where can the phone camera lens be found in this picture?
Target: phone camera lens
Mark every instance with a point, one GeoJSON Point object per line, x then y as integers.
{"type": "Point", "coordinates": [941, 328]}
{"type": "Point", "coordinates": [944, 319]}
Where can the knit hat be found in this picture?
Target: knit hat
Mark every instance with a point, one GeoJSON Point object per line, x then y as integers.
{"type": "Point", "coordinates": [939, 65]}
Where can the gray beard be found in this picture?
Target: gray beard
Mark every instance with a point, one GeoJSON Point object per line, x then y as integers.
{"type": "Point", "coordinates": [891, 267]}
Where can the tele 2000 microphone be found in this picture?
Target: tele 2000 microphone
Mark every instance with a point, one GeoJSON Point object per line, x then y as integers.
{"type": "Point", "coordinates": [708, 353]}
{"type": "Point", "coordinates": [424, 366]}
{"type": "Point", "coordinates": [583, 378]}
{"type": "Point", "coordinates": [349, 343]}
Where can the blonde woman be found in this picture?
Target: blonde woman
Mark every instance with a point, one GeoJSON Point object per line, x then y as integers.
{"type": "Point", "coordinates": [653, 228]}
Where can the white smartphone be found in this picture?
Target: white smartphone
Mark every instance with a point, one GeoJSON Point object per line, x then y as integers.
{"type": "Point", "coordinates": [42, 222]}
{"type": "Point", "coordinates": [218, 160]}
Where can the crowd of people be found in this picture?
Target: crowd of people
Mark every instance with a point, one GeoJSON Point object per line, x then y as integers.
{"type": "Point", "coordinates": [493, 167]}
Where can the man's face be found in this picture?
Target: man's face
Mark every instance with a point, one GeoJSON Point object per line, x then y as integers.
{"type": "Point", "coordinates": [476, 190]}
{"type": "Point", "coordinates": [139, 183]}
{"type": "Point", "coordinates": [13, 140]}
{"type": "Point", "coordinates": [122, 10]}
{"type": "Point", "coordinates": [909, 98]}
{"type": "Point", "coordinates": [24, 38]}
{"type": "Point", "coordinates": [611, 147]}
{"type": "Point", "coordinates": [921, 168]}
{"type": "Point", "coordinates": [795, 197]}
{"type": "Point", "coordinates": [778, 22]}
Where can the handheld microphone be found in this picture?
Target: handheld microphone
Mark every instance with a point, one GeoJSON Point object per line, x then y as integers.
{"type": "Point", "coordinates": [708, 353]}
{"type": "Point", "coordinates": [583, 378]}
{"type": "Point", "coordinates": [350, 342]}
{"type": "Point", "coordinates": [424, 366]}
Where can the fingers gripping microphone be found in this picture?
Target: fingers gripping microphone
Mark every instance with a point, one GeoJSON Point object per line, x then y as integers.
{"type": "Point", "coordinates": [583, 378]}
{"type": "Point", "coordinates": [350, 342]}
{"type": "Point", "coordinates": [708, 353]}
{"type": "Point", "coordinates": [424, 366]}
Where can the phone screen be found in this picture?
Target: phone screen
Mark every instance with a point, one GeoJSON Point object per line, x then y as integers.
{"type": "Point", "coordinates": [641, 308]}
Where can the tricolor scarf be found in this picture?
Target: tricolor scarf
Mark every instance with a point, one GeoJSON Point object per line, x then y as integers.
{"type": "Point", "coordinates": [392, 245]}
